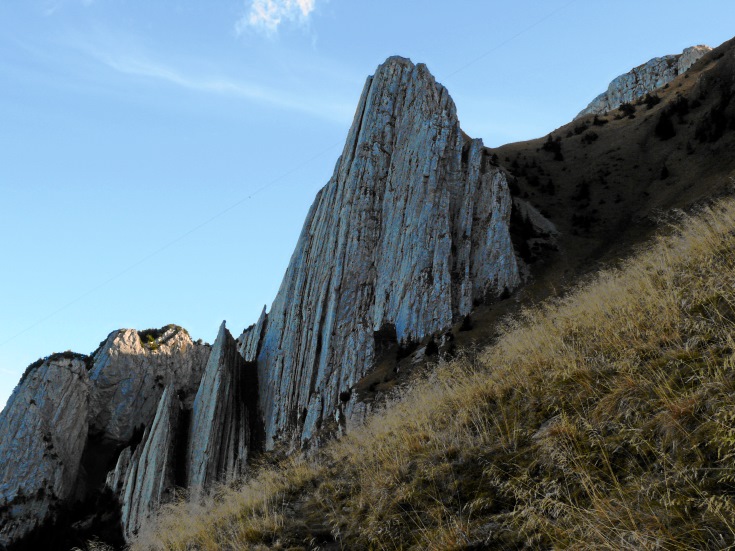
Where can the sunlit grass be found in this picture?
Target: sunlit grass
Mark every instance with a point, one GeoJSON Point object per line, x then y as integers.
{"type": "Point", "coordinates": [603, 420]}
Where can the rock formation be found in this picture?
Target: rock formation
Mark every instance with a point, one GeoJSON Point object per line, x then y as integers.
{"type": "Point", "coordinates": [43, 431]}
{"type": "Point", "coordinates": [70, 407]}
{"type": "Point", "coordinates": [150, 471]}
{"type": "Point", "coordinates": [221, 431]}
{"type": "Point", "coordinates": [644, 79]}
{"type": "Point", "coordinates": [129, 376]}
{"type": "Point", "coordinates": [410, 230]}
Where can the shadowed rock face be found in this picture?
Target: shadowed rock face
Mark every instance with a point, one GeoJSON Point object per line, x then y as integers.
{"type": "Point", "coordinates": [411, 228]}
{"type": "Point", "coordinates": [150, 478]}
{"type": "Point", "coordinates": [220, 434]}
{"type": "Point", "coordinates": [43, 431]}
{"type": "Point", "coordinates": [644, 79]}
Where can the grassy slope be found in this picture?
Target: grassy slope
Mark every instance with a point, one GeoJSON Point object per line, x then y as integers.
{"type": "Point", "coordinates": [609, 183]}
{"type": "Point", "coordinates": [604, 421]}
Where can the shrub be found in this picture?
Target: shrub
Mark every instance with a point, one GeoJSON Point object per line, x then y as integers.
{"type": "Point", "coordinates": [665, 128]}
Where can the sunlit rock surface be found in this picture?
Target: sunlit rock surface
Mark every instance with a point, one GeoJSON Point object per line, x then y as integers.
{"type": "Point", "coordinates": [644, 79]}
{"type": "Point", "coordinates": [410, 230]}
{"type": "Point", "coordinates": [43, 431]}
{"type": "Point", "coordinates": [129, 376]}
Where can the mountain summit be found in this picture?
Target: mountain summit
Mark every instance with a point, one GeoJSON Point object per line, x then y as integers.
{"type": "Point", "coordinates": [411, 231]}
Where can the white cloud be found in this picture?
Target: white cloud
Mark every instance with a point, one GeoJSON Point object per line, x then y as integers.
{"type": "Point", "coordinates": [267, 15]}
{"type": "Point", "coordinates": [53, 6]}
{"type": "Point", "coordinates": [329, 110]}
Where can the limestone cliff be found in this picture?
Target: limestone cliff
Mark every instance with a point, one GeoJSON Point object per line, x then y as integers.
{"type": "Point", "coordinates": [644, 79]}
{"type": "Point", "coordinates": [222, 416]}
{"type": "Point", "coordinates": [129, 376]}
{"type": "Point", "coordinates": [150, 471]}
{"type": "Point", "coordinates": [43, 431]}
{"type": "Point", "coordinates": [69, 412]}
{"type": "Point", "coordinates": [409, 231]}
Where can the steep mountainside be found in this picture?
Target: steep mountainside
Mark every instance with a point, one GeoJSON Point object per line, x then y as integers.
{"type": "Point", "coordinates": [606, 181]}
{"type": "Point", "coordinates": [411, 231]}
{"type": "Point", "coordinates": [416, 245]}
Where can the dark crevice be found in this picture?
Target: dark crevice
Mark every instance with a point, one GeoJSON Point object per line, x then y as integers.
{"type": "Point", "coordinates": [181, 443]}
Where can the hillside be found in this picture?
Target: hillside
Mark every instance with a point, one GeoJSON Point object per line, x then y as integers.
{"type": "Point", "coordinates": [586, 419]}
{"type": "Point", "coordinates": [606, 180]}
{"type": "Point", "coordinates": [603, 420]}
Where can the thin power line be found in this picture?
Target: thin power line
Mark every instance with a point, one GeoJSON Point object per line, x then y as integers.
{"type": "Point", "coordinates": [505, 42]}
{"type": "Point", "coordinates": [170, 243]}
{"type": "Point", "coordinates": [259, 190]}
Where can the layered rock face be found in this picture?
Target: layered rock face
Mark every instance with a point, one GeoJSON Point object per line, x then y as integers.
{"type": "Point", "coordinates": [410, 230]}
{"type": "Point", "coordinates": [43, 432]}
{"type": "Point", "coordinates": [128, 378]}
{"type": "Point", "coordinates": [222, 416]}
{"type": "Point", "coordinates": [644, 79]}
{"type": "Point", "coordinates": [149, 474]}
{"type": "Point", "coordinates": [71, 406]}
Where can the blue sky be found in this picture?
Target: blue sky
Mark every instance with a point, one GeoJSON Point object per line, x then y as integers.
{"type": "Point", "coordinates": [157, 159]}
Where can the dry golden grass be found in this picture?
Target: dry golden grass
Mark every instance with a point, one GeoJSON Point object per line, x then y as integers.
{"type": "Point", "coordinates": [604, 420]}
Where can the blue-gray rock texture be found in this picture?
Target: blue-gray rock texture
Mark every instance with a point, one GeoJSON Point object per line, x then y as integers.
{"type": "Point", "coordinates": [65, 400]}
{"type": "Point", "coordinates": [411, 228]}
{"type": "Point", "coordinates": [643, 80]}
{"type": "Point", "coordinates": [222, 420]}
{"type": "Point", "coordinates": [43, 431]}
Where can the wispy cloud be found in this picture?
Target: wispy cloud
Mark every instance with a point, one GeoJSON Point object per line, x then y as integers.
{"type": "Point", "coordinates": [267, 15]}
{"type": "Point", "coordinates": [53, 6]}
{"type": "Point", "coordinates": [229, 87]}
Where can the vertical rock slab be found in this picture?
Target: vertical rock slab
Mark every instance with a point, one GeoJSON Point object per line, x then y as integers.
{"type": "Point", "coordinates": [150, 479]}
{"type": "Point", "coordinates": [129, 376]}
{"type": "Point", "coordinates": [249, 341]}
{"type": "Point", "coordinates": [220, 431]}
{"type": "Point", "coordinates": [43, 430]}
{"type": "Point", "coordinates": [409, 231]}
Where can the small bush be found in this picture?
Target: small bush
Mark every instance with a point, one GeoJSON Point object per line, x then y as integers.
{"type": "Point", "coordinates": [665, 128]}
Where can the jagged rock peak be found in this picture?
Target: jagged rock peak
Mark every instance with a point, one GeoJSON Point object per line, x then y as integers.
{"type": "Point", "coordinates": [132, 368]}
{"type": "Point", "coordinates": [43, 431]}
{"type": "Point", "coordinates": [248, 343]}
{"type": "Point", "coordinates": [644, 79]}
{"type": "Point", "coordinates": [409, 231]}
{"type": "Point", "coordinates": [221, 430]}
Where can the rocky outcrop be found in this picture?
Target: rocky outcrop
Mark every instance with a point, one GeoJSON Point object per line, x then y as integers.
{"type": "Point", "coordinates": [411, 229]}
{"type": "Point", "coordinates": [410, 232]}
{"type": "Point", "coordinates": [63, 421]}
{"type": "Point", "coordinates": [43, 432]}
{"type": "Point", "coordinates": [248, 343]}
{"type": "Point", "coordinates": [129, 376]}
{"type": "Point", "coordinates": [222, 419]}
{"type": "Point", "coordinates": [149, 479]}
{"type": "Point", "coordinates": [644, 79]}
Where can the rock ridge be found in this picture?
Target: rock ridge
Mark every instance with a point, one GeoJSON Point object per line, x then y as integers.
{"type": "Point", "coordinates": [411, 229]}
{"type": "Point", "coordinates": [643, 80]}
